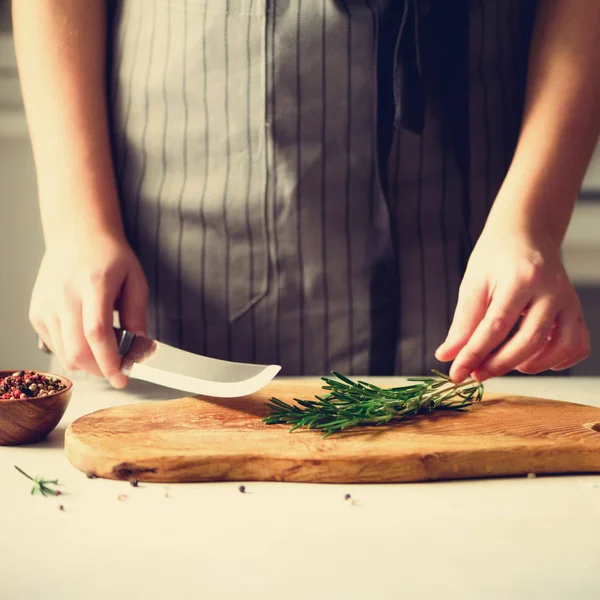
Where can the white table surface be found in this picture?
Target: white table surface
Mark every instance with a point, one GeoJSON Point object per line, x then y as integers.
{"type": "Point", "coordinates": [489, 539]}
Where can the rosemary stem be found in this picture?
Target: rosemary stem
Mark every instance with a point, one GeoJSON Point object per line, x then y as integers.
{"type": "Point", "coordinates": [445, 389]}
{"type": "Point", "coordinates": [23, 473]}
{"type": "Point", "coordinates": [349, 404]}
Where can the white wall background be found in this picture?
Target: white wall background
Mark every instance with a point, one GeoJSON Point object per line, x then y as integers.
{"type": "Point", "coordinates": [21, 241]}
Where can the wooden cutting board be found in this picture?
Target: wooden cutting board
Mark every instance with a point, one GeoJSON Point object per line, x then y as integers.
{"type": "Point", "coordinates": [200, 439]}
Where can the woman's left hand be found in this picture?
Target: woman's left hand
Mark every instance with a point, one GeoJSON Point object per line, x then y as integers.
{"type": "Point", "coordinates": [513, 274]}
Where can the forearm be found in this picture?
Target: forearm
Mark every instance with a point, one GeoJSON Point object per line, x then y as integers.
{"type": "Point", "coordinates": [561, 120]}
{"type": "Point", "coordinates": [61, 53]}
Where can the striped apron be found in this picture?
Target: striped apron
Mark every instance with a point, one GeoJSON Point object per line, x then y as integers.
{"type": "Point", "coordinates": [303, 180]}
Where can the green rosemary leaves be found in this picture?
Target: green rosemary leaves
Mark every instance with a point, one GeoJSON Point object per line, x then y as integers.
{"type": "Point", "coordinates": [41, 486]}
{"type": "Point", "coordinates": [354, 403]}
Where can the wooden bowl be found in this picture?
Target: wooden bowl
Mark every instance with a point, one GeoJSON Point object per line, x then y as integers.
{"type": "Point", "coordinates": [29, 420]}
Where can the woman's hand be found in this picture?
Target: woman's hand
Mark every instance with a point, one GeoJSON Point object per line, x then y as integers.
{"type": "Point", "coordinates": [77, 288]}
{"type": "Point", "coordinates": [513, 274]}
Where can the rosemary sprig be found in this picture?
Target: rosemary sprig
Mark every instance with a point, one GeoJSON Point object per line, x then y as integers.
{"type": "Point", "coordinates": [40, 486]}
{"type": "Point", "coordinates": [351, 403]}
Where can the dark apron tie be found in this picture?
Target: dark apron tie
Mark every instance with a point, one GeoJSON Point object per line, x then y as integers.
{"type": "Point", "coordinates": [432, 46]}
{"type": "Point", "coordinates": [409, 93]}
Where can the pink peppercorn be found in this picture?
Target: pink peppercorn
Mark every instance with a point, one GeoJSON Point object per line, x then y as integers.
{"type": "Point", "coordinates": [28, 384]}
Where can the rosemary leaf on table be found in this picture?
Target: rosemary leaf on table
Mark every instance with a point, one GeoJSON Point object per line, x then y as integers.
{"type": "Point", "coordinates": [41, 486]}
{"type": "Point", "coordinates": [349, 403]}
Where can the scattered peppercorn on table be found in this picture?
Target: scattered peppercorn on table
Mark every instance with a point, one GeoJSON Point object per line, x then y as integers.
{"type": "Point", "coordinates": [525, 537]}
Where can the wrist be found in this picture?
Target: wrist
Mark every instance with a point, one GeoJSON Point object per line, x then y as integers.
{"type": "Point", "coordinates": [76, 210]}
{"type": "Point", "coordinates": [72, 239]}
{"type": "Point", "coordinates": [538, 214]}
{"type": "Point", "coordinates": [84, 225]}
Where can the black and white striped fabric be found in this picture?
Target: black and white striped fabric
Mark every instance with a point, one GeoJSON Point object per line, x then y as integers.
{"type": "Point", "coordinates": [303, 180]}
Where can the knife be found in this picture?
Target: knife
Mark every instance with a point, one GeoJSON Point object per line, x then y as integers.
{"type": "Point", "coordinates": [148, 360]}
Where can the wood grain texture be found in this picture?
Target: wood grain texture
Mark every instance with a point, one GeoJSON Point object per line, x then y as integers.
{"type": "Point", "coordinates": [201, 439]}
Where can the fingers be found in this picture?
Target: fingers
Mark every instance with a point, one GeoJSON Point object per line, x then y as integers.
{"type": "Point", "coordinates": [469, 311]}
{"type": "Point", "coordinates": [45, 338]}
{"type": "Point", "coordinates": [98, 302]}
{"type": "Point", "coordinates": [530, 340]}
{"type": "Point", "coordinates": [502, 315]}
{"type": "Point", "coordinates": [78, 355]}
{"type": "Point", "coordinates": [569, 345]}
{"type": "Point", "coordinates": [47, 326]}
{"type": "Point", "coordinates": [59, 326]}
{"type": "Point", "coordinates": [55, 343]}
{"type": "Point", "coordinates": [74, 297]}
{"type": "Point", "coordinates": [133, 303]}
{"type": "Point", "coordinates": [522, 277]}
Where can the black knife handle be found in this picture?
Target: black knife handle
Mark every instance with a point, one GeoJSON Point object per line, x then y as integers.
{"type": "Point", "coordinates": [125, 339]}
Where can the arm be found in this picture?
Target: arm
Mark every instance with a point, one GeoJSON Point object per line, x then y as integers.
{"type": "Point", "coordinates": [515, 268]}
{"type": "Point", "coordinates": [561, 121]}
{"type": "Point", "coordinates": [61, 49]}
{"type": "Point", "coordinates": [88, 267]}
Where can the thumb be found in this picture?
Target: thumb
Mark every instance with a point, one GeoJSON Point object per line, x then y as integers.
{"type": "Point", "coordinates": [133, 303]}
{"type": "Point", "coordinates": [470, 310]}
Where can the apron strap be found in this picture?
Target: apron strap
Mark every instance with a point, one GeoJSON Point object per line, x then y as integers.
{"type": "Point", "coordinates": [409, 93]}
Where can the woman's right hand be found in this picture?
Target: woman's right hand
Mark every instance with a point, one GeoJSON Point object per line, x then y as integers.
{"type": "Point", "coordinates": [79, 285]}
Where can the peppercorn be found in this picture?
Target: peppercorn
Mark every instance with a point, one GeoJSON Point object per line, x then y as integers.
{"type": "Point", "coordinates": [242, 489]}
{"type": "Point", "coordinates": [27, 384]}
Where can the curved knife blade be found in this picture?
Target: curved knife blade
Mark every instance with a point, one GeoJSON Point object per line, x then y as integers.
{"type": "Point", "coordinates": [156, 362]}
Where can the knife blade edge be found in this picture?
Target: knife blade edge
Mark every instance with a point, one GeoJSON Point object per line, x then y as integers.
{"type": "Point", "coordinates": [203, 387]}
